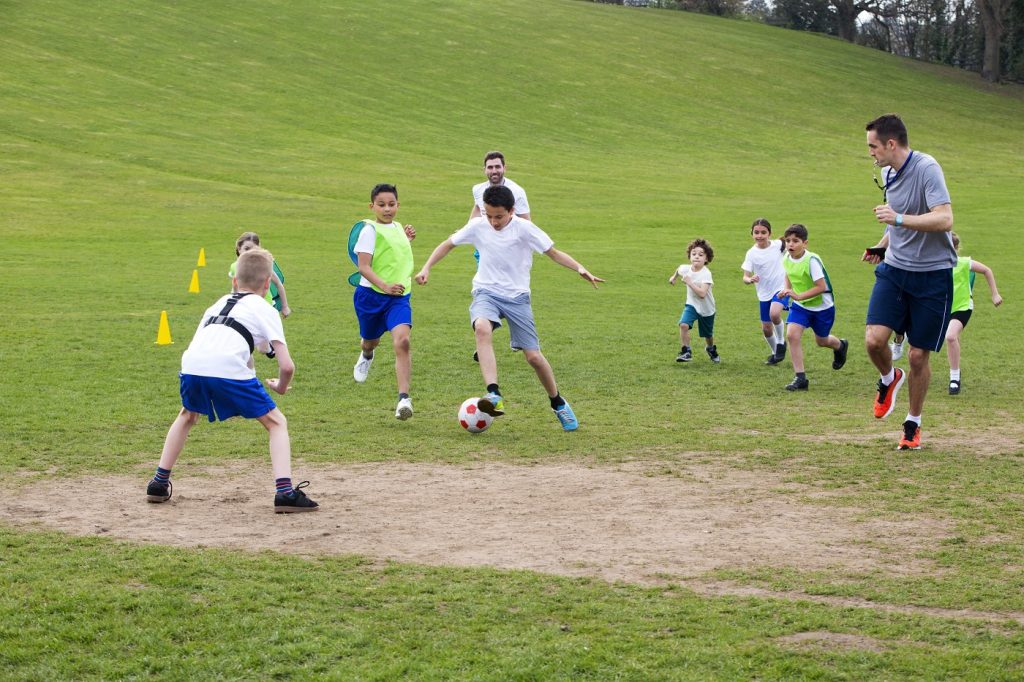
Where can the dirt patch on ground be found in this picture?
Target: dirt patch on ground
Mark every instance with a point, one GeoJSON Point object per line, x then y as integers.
{"type": "Point", "coordinates": [832, 640]}
{"type": "Point", "coordinates": [629, 522]}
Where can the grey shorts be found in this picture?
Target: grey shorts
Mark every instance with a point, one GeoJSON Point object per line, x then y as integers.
{"type": "Point", "coordinates": [517, 311]}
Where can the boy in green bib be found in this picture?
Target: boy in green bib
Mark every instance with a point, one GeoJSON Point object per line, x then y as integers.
{"type": "Point", "coordinates": [382, 250]}
{"type": "Point", "coordinates": [963, 306]}
{"type": "Point", "coordinates": [812, 305]}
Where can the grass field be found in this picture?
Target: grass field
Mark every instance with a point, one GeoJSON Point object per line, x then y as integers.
{"type": "Point", "coordinates": [134, 134]}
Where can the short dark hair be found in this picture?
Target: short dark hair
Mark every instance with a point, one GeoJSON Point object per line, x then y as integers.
{"type": "Point", "coordinates": [889, 127]}
{"type": "Point", "coordinates": [702, 244]}
{"type": "Point", "coordinates": [382, 187]}
{"type": "Point", "coordinates": [763, 222]}
{"type": "Point", "coordinates": [797, 230]}
{"type": "Point", "coordinates": [494, 155]}
{"type": "Point", "coordinates": [500, 196]}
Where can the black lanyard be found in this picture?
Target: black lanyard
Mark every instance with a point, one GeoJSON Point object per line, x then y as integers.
{"type": "Point", "coordinates": [889, 178]}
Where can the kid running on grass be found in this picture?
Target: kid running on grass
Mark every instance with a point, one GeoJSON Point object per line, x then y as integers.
{"type": "Point", "coordinates": [700, 303]}
{"type": "Point", "coordinates": [762, 267]}
{"type": "Point", "coordinates": [501, 290]}
{"type": "Point", "coordinates": [808, 286]}
{"type": "Point", "coordinates": [381, 299]}
{"type": "Point", "coordinates": [276, 295]}
{"type": "Point", "coordinates": [963, 306]}
{"type": "Point", "coordinates": [218, 379]}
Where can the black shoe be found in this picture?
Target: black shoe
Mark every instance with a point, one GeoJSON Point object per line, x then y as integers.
{"type": "Point", "coordinates": [780, 352]}
{"type": "Point", "coordinates": [773, 359]}
{"type": "Point", "coordinates": [954, 387]}
{"type": "Point", "coordinates": [158, 492]}
{"type": "Point", "coordinates": [713, 353]}
{"type": "Point", "coordinates": [685, 355]}
{"type": "Point", "coordinates": [294, 502]}
{"type": "Point", "coordinates": [839, 356]}
{"type": "Point", "coordinates": [798, 384]}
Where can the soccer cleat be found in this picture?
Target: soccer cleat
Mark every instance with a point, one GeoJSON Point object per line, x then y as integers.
{"type": "Point", "coordinates": [296, 501]}
{"type": "Point", "coordinates": [404, 409]}
{"type": "Point", "coordinates": [839, 356]}
{"type": "Point", "coordinates": [954, 387]}
{"type": "Point", "coordinates": [713, 353]}
{"type": "Point", "coordinates": [362, 368]}
{"type": "Point", "coordinates": [798, 384]}
{"type": "Point", "coordinates": [158, 492]}
{"type": "Point", "coordinates": [773, 359]}
{"type": "Point", "coordinates": [567, 417]}
{"type": "Point", "coordinates": [780, 352]}
{"type": "Point", "coordinates": [911, 436]}
{"type": "Point", "coordinates": [493, 404]}
{"type": "Point", "coordinates": [897, 350]}
{"type": "Point", "coordinates": [885, 401]}
{"type": "Point", "coordinates": [685, 355]}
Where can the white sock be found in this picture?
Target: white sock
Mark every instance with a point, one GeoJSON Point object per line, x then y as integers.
{"type": "Point", "coordinates": [888, 378]}
{"type": "Point", "coordinates": [770, 340]}
{"type": "Point", "coordinates": [954, 375]}
{"type": "Point", "coordinates": [780, 334]}
{"type": "Point", "coordinates": [898, 344]}
{"type": "Point", "coordinates": [912, 418]}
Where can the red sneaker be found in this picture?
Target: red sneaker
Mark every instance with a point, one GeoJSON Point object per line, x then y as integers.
{"type": "Point", "coordinates": [886, 398]}
{"type": "Point", "coordinates": [911, 436]}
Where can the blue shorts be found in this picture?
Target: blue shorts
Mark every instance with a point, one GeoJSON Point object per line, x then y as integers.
{"type": "Point", "coordinates": [379, 313]}
{"type": "Point", "coordinates": [819, 321]}
{"type": "Point", "coordinates": [518, 311]}
{"type": "Point", "coordinates": [766, 306]}
{"type": "Point", "coordinates": [917, 303]}
{"type": "Point", "coordinates": [705, 324]}
{"type": "Point", "coordinates": [225, 398]}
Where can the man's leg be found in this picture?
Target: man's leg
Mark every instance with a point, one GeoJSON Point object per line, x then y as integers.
{"type": "Point", "coordinates": [876, 342]}
{"type": "Point", "coordinates": [920, 375]}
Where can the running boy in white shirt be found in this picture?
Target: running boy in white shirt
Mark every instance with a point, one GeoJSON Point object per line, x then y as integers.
{"type": "Point", "coordinates": [808, 286]}
{"type": "Point", "coordinates": [762, 267]}
{"type": "Point", "coordinates": [218, 379]}
{"type": "Point", "coordinates": [700, 302]}
{"type": "Point", "coordinates": [501, 290]}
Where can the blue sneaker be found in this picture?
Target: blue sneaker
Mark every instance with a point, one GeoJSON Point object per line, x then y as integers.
{"type": "Point", "coordinates": [567, 417]}
{"type": "Point", "coordinates": [493, 404]}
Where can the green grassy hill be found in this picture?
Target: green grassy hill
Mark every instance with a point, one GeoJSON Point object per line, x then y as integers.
{"type": "Point", "coordinates": [133, 134]}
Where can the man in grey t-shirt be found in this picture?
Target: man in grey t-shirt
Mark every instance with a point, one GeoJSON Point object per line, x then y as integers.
{"type": "Point", "coordinates": [913, 289]}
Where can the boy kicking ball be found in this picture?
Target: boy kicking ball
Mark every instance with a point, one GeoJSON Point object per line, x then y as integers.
{"type": "Point", "coordinates": [218, 379]}
{"type": "Point", "coordinates": [501, 291]}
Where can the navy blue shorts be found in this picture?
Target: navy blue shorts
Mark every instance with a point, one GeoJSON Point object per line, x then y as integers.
{"type": "Point", "coordinates": [379, 313]}
{"type": "Point", "coordinates": [766, 306]}
{"type": "Point", "coordinates": [819, 321]}
{"type": "Point", "coordinates": [225, 398]}
{"type": "Point", "coordinates": [917, 303]}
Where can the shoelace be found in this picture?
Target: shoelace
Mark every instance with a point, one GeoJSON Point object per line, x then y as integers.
{"type": "Point", "coordinates": [298, 489]}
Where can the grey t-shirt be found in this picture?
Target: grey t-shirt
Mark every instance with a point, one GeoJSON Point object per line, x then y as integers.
{"type": "Point", "coordinates": [919, 188]}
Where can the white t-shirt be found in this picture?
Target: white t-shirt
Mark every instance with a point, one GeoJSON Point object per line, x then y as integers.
{"type": "Point", "coordinates": [522, 205]}
{"type": "Point", "coordinates": [217, 350]}
{"type": "Point", "coordinates": [766, 264]}
{"type": "Point", "coordinates": [705, 307]}
{"type": "Point", "coordinates": [817, 272]}
{"type": "Point", "coordinates": [506, 255]}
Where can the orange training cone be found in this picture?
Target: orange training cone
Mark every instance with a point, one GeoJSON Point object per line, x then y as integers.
{"type": "Point", "coordinates": [201, 263]}
{"type": "Point", "coordinates": [163, 334]}
{"type": "Point", "coordinates": [193, 287]}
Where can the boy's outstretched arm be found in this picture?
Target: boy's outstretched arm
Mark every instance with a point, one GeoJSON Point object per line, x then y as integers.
{"type": "Point", "coordinates": [285, 366]}
{"type": "Point", "coordinates": [986, 272]}
{"type": "Point", "coordinates": [442, 250]}
{"type": "Point", "coordinates": [564, 259]}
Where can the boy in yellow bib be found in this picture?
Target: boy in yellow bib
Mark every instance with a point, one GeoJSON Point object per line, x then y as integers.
{"type": "Point", "coordinates": [381, 300]}
{"type": "Point", "coordinates": [963, 306]}
{"type": "Point", "coordinates": [810, 292]}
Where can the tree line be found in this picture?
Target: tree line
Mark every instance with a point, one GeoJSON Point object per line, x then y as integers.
{"type": "Point", "coordinates": [985, 36]}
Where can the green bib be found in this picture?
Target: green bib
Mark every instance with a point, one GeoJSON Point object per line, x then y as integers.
{"type": "Point", "coordinates": [963, 285]}
{"type": "Point", "coordinates": [392, 255]}
{"type": "Point", "coordinates": [799, 273]}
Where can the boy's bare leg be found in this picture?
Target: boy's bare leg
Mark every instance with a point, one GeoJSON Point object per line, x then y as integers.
{"type": "Point", "coordinates": [917, 380]}
{"type": "Point", "coordinates": [953, 343]}
{"type": "Point", "coordinates": [176, 437]}
{"type": "Point", "coordinates": [684, 335]}
{"type": "Point", "coordinates": [485, 350]}
{"type": "Point", "coordinates": [543, 369]}
{"type": "Point", "coordinates": [367, 345]}
{"type": "Point", "coordinates": [280, 445]}
{"type": "Point", "coordinates": [796, 352]}
{"type": "Point", "coordinates": [403, 357]}
{"type": "Point", "coordinates": [830, 341]}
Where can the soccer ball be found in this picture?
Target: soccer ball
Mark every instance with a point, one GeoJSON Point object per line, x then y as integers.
{"type": "Point", "coordinates": [472, 418]}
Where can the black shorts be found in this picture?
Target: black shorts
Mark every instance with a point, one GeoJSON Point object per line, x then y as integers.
{"type": "Point", "coordinates": [962, 315]}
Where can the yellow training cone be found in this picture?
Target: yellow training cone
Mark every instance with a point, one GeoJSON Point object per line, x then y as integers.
{"type": "Point", "coordinates": [201, 263]}
{"type": "Point", "coordinates": [163, 334]}
{"type": "Point", "coordinates": [193, 287]}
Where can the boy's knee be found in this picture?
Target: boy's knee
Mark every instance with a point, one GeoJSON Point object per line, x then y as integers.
{"type": "Point", "coordinates": [535, 358]}
{"type": "Point", "coordinates": [685, 327]}
{"type": "Point", "coordinates": [274, 419]}
{"type": "Point", "coordinates": [794, 333]}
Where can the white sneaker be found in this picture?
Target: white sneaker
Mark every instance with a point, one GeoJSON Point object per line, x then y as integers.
{"type": "Point", "coordinates": [362, 368]}
{"type": "Point", "coordinates": [897, 351]}
{"type": "Point", "coordinates": [404, 409]}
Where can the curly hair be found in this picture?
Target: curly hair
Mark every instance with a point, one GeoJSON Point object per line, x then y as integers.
{"type": "Point", "coordinates": [703, 244]}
